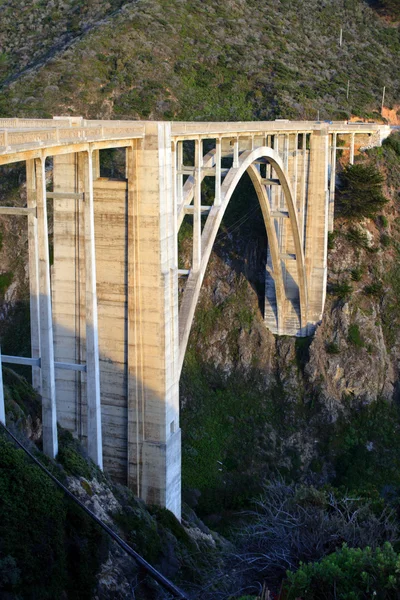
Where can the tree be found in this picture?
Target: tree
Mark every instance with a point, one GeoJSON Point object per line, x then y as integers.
{"type": "Point", "coordinates": [360, 194]}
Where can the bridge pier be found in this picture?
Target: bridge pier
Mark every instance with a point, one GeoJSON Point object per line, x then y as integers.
{"type": "Point", "coordinates": [154, 454]}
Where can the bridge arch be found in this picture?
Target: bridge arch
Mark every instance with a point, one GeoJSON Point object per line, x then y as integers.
{"type": "Point", "coordinates": [193, 286]}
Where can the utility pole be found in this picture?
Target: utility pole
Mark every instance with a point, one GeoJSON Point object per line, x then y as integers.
{"type": "Point", "coordinates": [340, 37]}
{"type": "Point", "coordinates": [383, 98]}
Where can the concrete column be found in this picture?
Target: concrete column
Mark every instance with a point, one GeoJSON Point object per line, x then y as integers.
{"type": "Point", "coordinates": [218, 158]}
{"type": "Point", "coordinates": [296, 167]}
{"type": "Point", "coordinates": [96, 164]}
{"type": "Point", "coordinates": [2, 405]}
{"type": "Point", "coordinates": [317, 225]}
{"type": "Point", "coordinates": [68, 295]}
{"type": "Point", "coordinates": [94, 436]}
{"type": "Point", "coordinates": [33, 272]}
{"type": "Point", "coordinates": [197, 206]}
{"type": "Point", "coordinates": [332, 183]}
{"type": "Point", "coordinates": [49, 416]}
{"type": "Point", "coordinates": [154, 452]}
{"type": "Point", "coordinates": [235, 164]}
{"type": "Point", "coordinates": [179, 177]}
{"type": "Point", "coordinates": [352, 149]}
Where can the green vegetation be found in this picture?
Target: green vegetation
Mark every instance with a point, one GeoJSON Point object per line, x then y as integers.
{"type": "Point", "coordinates": [361, 194]}
{"type": "Point", "coordinates": [364, 446]}
{"type": "Point", "coordinates": [332, 348]}
{"type": "Point", "coordinates": [342, 290]}
{"type": "Point", "coordinates": [331, 239]}
{"type": "Point", "coordinates": [349, 574]}
{"type": "Point", "coordinates": [185, 60]}
{"type": "Point", "coordinates": [357, 238]}
{"type": "Point", "coordinates": [354, 336]}
{"type": "Point", "coordinates": [374, 289]}
{"type": "Point", "coordinates": [357, 273]}
{"type": "Point", "coordinates": [5, 281]}
{"type": "Point", "coordinates": [50, 547]}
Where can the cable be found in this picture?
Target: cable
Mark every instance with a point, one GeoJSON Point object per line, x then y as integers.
{"type": "Point", "coordinates": [166, 583]}
{"type": "Point", "coordinates": [240, 222]}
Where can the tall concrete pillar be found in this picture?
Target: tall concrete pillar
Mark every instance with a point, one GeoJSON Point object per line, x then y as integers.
{"type": "Point", "coordinates": [332, 182]}
{"type": "Point", "coordinates": [48, 386]}
{"type": "Point", "coordinates": [68, 289]}
{"type": "Point", "coordinates": [316, 237]}
{"type": "Point", "coordinates": [154, 440]}
{"type": "Point", "coordinates": [94, 433]}
{"type": "Point", "coordinates": [352, 149]}
{"type": "Point", "coordinates": [33, 272]}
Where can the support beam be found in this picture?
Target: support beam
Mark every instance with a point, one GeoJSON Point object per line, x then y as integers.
{"type": "Point", "coordinates": [352, 149]}
{"type": "Point", "coordinates": [218, 158]}
{"type": "Point", "coordinates": [197, 206]}
{"type": "Point", "coordinates": [235, 164]}
{"type": "Point", "coordinates": [94, 434]}
{"type": "Point", "coordinates": [65, 196]}
{"type": "Point", "coordinates": [178, 169]}
{"type": "Point", "coordinates": [16, 210]}
{"type": "Point", "coordinates": [332, 183]}
{"type": "Point", "coordinates": [190, 209]}
{"type": "Point", "coordinates": [270, 182]}
{"type": "Point", "coordinates": [49, 414]}
{"type": "Point", "coordinates": [33, 272]}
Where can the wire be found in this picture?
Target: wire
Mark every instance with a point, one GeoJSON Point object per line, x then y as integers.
{"type": "Point", "coordinates": [240, 222]}
{"type": "Point", "coordinates": [159, 577]}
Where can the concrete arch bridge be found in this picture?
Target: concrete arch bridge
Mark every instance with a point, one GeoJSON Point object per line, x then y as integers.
{"type": "Point", "coordinates": [108, 335]}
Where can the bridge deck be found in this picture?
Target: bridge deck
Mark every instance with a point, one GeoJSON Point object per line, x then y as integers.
{"type": "Point", "coordinates": [24, 136]}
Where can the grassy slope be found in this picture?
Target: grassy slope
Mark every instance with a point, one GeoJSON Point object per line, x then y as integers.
{"type": "Point", "coordinates": [207, 60]}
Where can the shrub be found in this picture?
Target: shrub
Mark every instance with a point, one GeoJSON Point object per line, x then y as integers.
{"type": "Point", "coordinates": [383, 221]}
{"type": "Point", "coordinates": [350, 574]}
{"type": "Point", "coordinates": [374, 289]}
{"type": "Point", "coordinates": [385, 240]}
{"type": "Point", "coordinates": [393, 141]}
{"type": "Point", "coordinates": [332, 348]}
{"type": "Point", "coordinates": [356, 273]}
{"type": "Point", "coordinates": [358, 238]}
{"type": "Point", "coordinates": [53, 548]}
{"type": "Point", "coordinates": [292, 523]}
{"type": "Point", "coordinates": [354, 336]}
{"type": "Point", "coordinates": [331, 239]}
{"type": "Point", "coordinates": [360, 194]}
{"type": "Point", "coordinates": [341, 290]}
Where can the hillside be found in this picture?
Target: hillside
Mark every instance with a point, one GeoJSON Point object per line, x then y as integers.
{"type": "Point", "coordinates": [196, 59]}
{"type": "Point", "coordinates": [308, 426]}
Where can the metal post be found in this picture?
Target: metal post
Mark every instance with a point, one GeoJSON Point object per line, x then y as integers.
{"type": "Point", "coordinates": [197, 205]}
{"type": "Point", "coordinates": [33, 273]}
{"type": "Point", "coordinates": [49, 415]}
{"type": "Point", "coordinates": [95, 447]}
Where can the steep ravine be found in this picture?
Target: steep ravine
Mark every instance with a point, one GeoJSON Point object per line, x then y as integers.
{"type": "Point", "coordinates": [254, 404]}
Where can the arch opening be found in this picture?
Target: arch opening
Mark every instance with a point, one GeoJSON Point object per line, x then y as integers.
{"type": "Point", "coordinates": [248, 161]}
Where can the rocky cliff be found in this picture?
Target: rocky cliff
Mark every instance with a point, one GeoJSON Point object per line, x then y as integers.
{"type": "Point", "coordinates": [255, 404]}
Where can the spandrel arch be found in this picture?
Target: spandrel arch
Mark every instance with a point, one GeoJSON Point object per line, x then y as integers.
{"type": "Point", "coordinates": [247, 162]}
